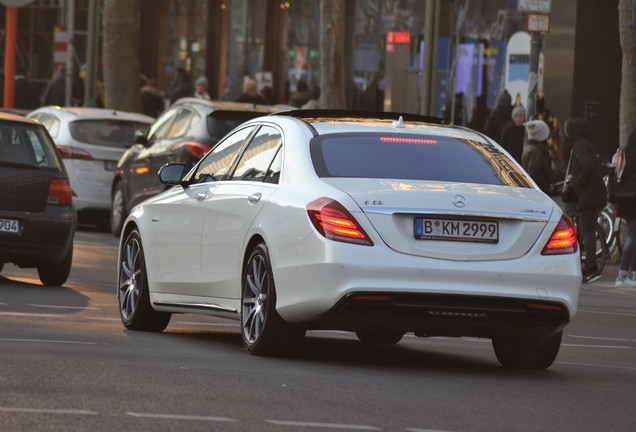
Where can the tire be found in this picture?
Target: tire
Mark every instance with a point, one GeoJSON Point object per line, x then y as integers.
{"type": "Point", "coordinates": [56, 273]}
{"type": "Point", "coordinates": [527, 353]}
{"type": "Point", "coordinates": [135, 310]}
{"type": "Point", "coordinates": [117, 209]}
{"type": "Point", "coordinates": [263, 331]}
{"type": "Point", "coordinates": [379, 336]}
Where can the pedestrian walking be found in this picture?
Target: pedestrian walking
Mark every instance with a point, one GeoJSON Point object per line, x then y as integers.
{"type": "Point", "coordinates": [513, 133]}
{"type": "Point", "coordinates": [26, 94]}
{"type": "Point", "coordinates": [250, 93]}
{"type": "Point", "coordinates": [623, 193]}
{"type": "Point", "coordinates": [587, 182]}
{"type": "Point", "coordinates": [201, 88]}
{"type": "Point", "coordinates": [499, 116]}
{"type": "Point", "coordinates": [536, 156]}
{"type": "Point", "coordinates": [55, 92]}
{"type": "Point", "coordinates": [152, 103]}
{"type": "Point", "coordinates": [182, 86]}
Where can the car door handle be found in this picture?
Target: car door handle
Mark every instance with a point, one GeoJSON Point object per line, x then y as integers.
{"type": "Point", "coordinates": [254, 198]}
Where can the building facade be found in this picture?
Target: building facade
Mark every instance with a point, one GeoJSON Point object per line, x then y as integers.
{"type": "Point", "coordinates": [478, 51]}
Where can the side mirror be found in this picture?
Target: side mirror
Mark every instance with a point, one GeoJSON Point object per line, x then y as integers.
{"type": "Point", "coordinates": [172, 174]}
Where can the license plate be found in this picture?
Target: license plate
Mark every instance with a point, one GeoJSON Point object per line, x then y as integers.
{"type": "Point", "coordinates": [457, 230]}
{"type": "Point", "coordinates": [9, 226]}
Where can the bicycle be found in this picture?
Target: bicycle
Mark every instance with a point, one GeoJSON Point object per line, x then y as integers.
{"type": "Point", "coordinates": [603, 222]}
{"type": "Point", "coordinates": [601, 251]}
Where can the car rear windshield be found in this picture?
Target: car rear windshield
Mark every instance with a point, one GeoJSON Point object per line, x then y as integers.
{"type": "Point", "coordinates": [109, 133]}
{"type": "Point", "coordinates": [27, 146]}
{"type": "Point", "coordinates": [220, 123]}
{"type": "Point", "coordinates": [413, 157]}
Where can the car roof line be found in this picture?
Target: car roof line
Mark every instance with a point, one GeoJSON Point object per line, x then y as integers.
{"type": "Point", "coordinates": [316, 114]}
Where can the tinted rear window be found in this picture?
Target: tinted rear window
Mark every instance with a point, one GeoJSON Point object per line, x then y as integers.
{"type": "Point", "coordinates": [220, 123]}
{"type": "Point", "coordinates": [413, 157]}
{"type": "Point", "coordinates": [26, 145]}
{"type": "Point", "coordinates": [109, 133]}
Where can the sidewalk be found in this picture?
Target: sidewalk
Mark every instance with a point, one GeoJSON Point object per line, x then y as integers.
{"type": "Point", "coordinates": [605, 285]}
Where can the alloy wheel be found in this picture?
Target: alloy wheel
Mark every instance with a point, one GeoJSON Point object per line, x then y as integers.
{"type": "Point", "coordinates": [130, 279]}
{"type": "Point", "coordinates": [255, 298]}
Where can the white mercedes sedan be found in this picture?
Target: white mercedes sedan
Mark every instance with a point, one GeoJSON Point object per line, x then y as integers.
{"type": "Point", "coordinates": [375, 223]}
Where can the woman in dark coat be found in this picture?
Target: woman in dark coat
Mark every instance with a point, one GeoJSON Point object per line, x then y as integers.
{"type": "Point", "coordinates": [587, 181]}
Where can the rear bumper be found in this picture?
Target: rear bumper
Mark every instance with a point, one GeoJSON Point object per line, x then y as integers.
{"type": "Point", "coordinates": [42, 237]}
{"type": "Point", "coordinates": [446, 315]}
{"type": "Point", "coordinates": [320, 285]}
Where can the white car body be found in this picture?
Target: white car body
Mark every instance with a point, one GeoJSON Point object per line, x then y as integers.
{"type": "Point", "coordinates": [197, 238]}
{"type": "Point", "coordinates": [91, 169]}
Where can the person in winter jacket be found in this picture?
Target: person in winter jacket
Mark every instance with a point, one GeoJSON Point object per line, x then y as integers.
{"type": "Point", "coordinates": [55, 92]}
{"type": "Point", "coordinates": [183, 85]}
{"type": "Point", "coordinates": [536, 157]}
{"type": "Point", "coordinates": [499, 116]}
{"type": "Point", "coordinates": [587, 181]}
{"type": "Point", "coordinates": [512, 134]}
{"type": "Point", "coordinates": [626, 208]}
{"type": "Point", "coordinates": [152, 103]}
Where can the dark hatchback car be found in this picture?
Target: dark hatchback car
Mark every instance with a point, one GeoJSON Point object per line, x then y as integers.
{"type": "Point", "coordinates": [182, 134]}
{"type": "Point", "coordinates": [37, 216]}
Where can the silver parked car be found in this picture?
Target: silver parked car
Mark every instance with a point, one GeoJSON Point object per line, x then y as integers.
{"type": "Point", "coordinates": [91, 141]}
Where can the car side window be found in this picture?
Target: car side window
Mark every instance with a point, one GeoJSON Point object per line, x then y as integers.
{"type": "Point", "coordinates": [50, 122]}
{"type": "Point", "coordinates": [215, 165]}
{"type": "Point", "coordinates": [162, 125]}
{"type": "Point", "coordinates": [258, 155]}
{"type": "Point", "coordinates": [181, 123]}
{"type": "Point", "coordinates": [273, 173]}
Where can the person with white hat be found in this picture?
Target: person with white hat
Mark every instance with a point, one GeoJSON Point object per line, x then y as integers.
{"type": "Point", "coordinates": [536, 156]}
{"type": "Point", "coordinates": [512, 134]}
{"type": "Point", "coordinates": [201, 88]}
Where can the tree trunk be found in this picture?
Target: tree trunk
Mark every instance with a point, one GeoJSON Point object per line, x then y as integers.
{"type": "Point", "coordinates": [332, 67]}
{"type": "Point", "coordinates": [121, 55]}
{"type": "Point", "coordinates": [627, 116]}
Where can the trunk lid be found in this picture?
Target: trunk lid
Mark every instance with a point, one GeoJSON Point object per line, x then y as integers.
{"type": "Point", "coordinates": [517, 215]}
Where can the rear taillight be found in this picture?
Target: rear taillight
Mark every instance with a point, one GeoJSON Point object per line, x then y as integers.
{"type": "Point", "coordinates": [68, 152]}
{"type": "Point", "coordinates": [197, 149]}
{"type": "Point", "coordinates": [60, 193]}
{"type": "Point", "coordinates": [334, 222]}
{"type": "Point", "coordinates": [563, 239]}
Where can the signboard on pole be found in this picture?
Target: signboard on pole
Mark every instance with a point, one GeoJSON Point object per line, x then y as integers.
{"type": "Point", "coordinates": [539, 23]}
{"type": "Point", "coordinates": [541, 6]}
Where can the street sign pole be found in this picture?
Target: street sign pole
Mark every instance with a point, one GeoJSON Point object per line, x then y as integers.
{"type": "Point", "coordinates": [9, 57]}
{"type": "Point", "coordinates": [11, 42]}
{"type": "Point", "coordinates": [533, 75]}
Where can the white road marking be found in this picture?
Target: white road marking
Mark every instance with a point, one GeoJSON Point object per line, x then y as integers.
{"type": "Point", "coordinates": [321, 425]}
{"type": "Point", "coordinates": [24, 314]}
{"type": "Point", "coordinates": [599, 338]}
{"type": "Point", "coordinates": [63, 307]}
{"type": "Point", "coordinates": [597, 365]}
{"type": "Point", "coordinates": [181, 417]}
{"type": "Point", "coordinates": [425, 430]}
{"type": "Point", "coordinates": [597, 346]}
{"type": "Point", "coordinates": [48, 341]}
{"type": "Point", "coordinates": [607, 313]}
{"type": "Point", "coordinates": [46, 411]}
